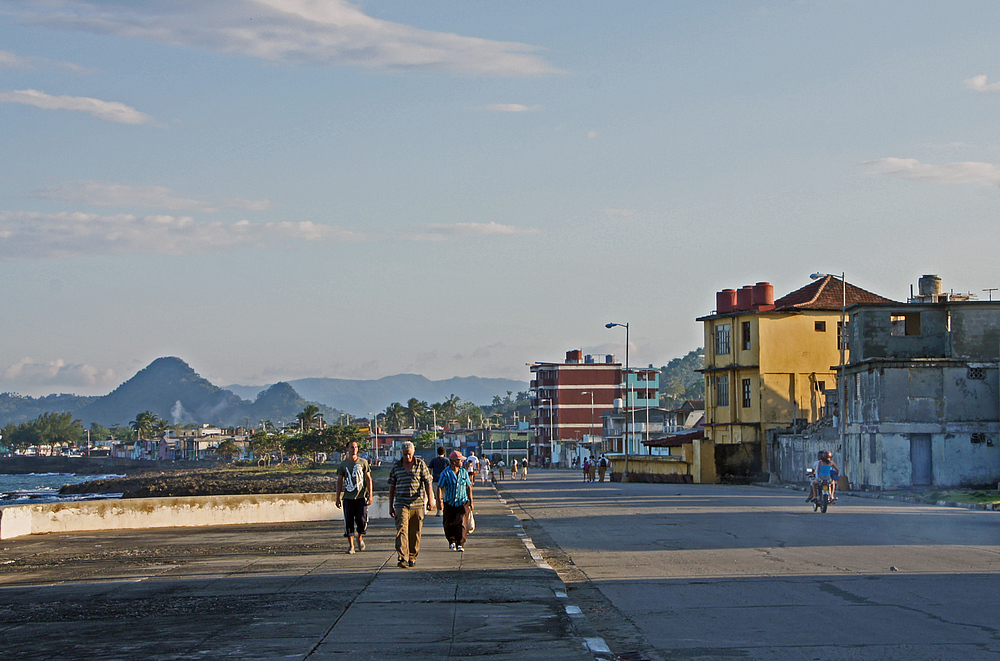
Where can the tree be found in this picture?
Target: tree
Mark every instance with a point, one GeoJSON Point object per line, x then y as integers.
{"type": "Point", "coordinates": [395, 417]}
{"type": "Point", "coordinates": [308, 417]}
{"type": "Point", "coordinates": [227, 450]}
{"type": "Point", "coordinates": [263, 445]}
{"type": "Point", "coordinates": [424, 441]}
{"type": "Point", "coordinates": [416, 410]}
{"type": "Point", "coordinates": [143, 424]}
{"type": "Point", "coordinates": [56, 429]}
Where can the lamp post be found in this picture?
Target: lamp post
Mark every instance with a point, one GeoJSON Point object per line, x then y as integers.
{"type": "Point", "coordinates": [627, 402]}
{"type": "Point", "coordinates": [591, 393]}
{"type": "Point", "coordinates": [841, 384]}
{"type": "Point", "coordinates": [549, 400]}
{"type": "Point", "coordinates": [375, 431]}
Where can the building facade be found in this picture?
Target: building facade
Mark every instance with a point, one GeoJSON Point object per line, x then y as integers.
{"type": "Point", "coordinates": [767, 364]}
{"type": "Point", "coordinates": [923, 394]}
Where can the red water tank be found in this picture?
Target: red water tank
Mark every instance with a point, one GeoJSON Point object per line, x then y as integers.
{"type": "Point", "coordinates": [725, 301]}
{"type": "Point", "coordinates": [744, 298]}
{"type": "Point", "coordinates": [763, 294]}
{"type": "Point", "coordinates": [574, 356]}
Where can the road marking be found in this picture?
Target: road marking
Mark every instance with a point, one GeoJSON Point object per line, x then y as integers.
{"type": "Point", "coordinates": [574, 611]}
{"type": "Point", "coordinates": [597, 645]}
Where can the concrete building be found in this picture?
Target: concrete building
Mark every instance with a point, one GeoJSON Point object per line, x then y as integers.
{"type": "Point", "coordinates": [767, 363]}
{"type": "Point", "coordinates": [923, 393]}
{"type": "Point", "coordinates": [569, 398]}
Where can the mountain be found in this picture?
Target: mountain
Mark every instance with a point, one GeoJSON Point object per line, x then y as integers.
{"type": "Point", "coordinates": [361, 397]}
{"type": "Point", "coordinates": [172, 390]}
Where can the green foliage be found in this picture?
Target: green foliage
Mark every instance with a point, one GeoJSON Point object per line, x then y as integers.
{"type": "Point", "coordinates": [227, 450]}
{"type": "Point", "coordinates": [680, 381]}
{"type": "Point", "coordinates": [424, 441]}
{"type": "Point", "coordinates": [48, 429]}
{"type": "Point", "coordinates": [145, 424]}
{"type": "Point", "coordinates": [506, 410]}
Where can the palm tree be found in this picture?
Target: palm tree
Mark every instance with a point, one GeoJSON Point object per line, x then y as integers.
{"type": "Point", "coordinates": [395, 417]}
{"type": "Point", "coordinates": [416, 409]}
{"type": "Point", "coordinates": [308, 416]}
{"type": "Point", "coordinates": [143, 424]}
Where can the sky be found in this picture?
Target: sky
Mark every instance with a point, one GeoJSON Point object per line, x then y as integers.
{"type": "Point", "coordinates": [280, 189]}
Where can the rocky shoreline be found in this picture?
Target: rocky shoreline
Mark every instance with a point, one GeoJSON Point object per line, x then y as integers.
{"type": "Point", "coordinates": [210, 482]}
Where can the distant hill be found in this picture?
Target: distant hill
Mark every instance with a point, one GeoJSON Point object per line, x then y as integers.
{"type": "Point", "coordinates": [172, 390]}
{"type": "Point", "coordinates": [361, 397]}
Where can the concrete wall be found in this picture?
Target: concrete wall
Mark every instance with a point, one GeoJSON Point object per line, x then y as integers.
{"type": "Point", "coordinates": [791, 454]}
{"type": "Point", "coordinates": [131, 513]}
{"type": "Point", "coordinates": [883, 461]}
{"type": "Point", "coordinates": [646, 468]}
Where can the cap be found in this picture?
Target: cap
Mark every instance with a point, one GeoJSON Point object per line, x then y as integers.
{"type": "Point", "coordinates": [455, 454]}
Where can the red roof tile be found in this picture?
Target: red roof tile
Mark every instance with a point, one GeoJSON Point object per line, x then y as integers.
{"type": "Point", "coordinates": [827, 293]}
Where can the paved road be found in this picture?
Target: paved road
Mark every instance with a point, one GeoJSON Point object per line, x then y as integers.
{"type": "Point", "coordinates": [285, 592]}
{"type": "Point", "coordinates": [716, 572]}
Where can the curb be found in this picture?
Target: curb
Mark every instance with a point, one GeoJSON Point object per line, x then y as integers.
{"type": "Point", "coordinates": [593, 643]}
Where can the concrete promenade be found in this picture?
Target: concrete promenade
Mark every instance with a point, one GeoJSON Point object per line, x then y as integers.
{"type": "Point", "coordinates": [287, 591]}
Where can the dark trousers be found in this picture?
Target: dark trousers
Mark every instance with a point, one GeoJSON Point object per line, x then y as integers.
{"type": "Point", "coordinates": [456, 523]}
{"type": "Point", "coordinates": [355, 516]}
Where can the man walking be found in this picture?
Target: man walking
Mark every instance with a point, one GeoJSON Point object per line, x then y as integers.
{"type": "Point", "coordinates": [455, 488]}
{"type": "Point", "coordinates": [409, 483]}
{"type": "Point", "coordinates": [602, 466]}
{"type": "Point", "coordinates": [438, 464]}
{"type": "Point", "coordinates": [354, 478]}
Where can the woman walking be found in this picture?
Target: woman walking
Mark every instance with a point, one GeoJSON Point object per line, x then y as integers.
{"type": "Point", "coordinates": [455, 491]}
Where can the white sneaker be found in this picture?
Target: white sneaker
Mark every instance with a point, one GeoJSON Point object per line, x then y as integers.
{"type": "Point", "coordinates": [451, 547]}
{"type": "Point", "coordinates": [438, 514]}
{"type": "Point", "coordinates": [459, 549]}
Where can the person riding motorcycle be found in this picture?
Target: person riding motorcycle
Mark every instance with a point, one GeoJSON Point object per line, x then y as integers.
{"type": "Point", "coordinates": [823, 470]}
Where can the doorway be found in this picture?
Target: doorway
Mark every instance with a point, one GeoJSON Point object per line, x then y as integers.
{"type": "Point", "coordinates": [920, 459]}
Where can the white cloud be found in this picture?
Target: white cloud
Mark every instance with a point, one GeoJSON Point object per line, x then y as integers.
{"type": "Point", "coordinates": [591, 135]}
{"type": "Point", "coordinates": [10, 60]}
{"type": "Point", "coordinates": [618, 213]}
{"type": "Point", "coordinates": [28, 235]}
{"type": "Point", "coordinates": [967, 172]}
{"type": "Point", "coordinates": [102, 194]}
{"type": "Point", "coordinates": [330, 32]}
{"type": "Point", "coordinates": [510, 107]}
{"type": "Point", "coordinates": [440, 231]}
{"type": "Point", "coordinates": [979, 84]}
{"type": "Point", "coordinates": [28, 372]}
{"type": "Point", "coordinates": [111, 111]}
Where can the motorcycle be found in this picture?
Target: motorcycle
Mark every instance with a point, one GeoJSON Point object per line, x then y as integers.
{"type": "Point", "coordinates": [824, 492]}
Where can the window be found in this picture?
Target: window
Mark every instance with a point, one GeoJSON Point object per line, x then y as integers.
{"type": "Point", "coordinates": [820, 326]}
{"type": "Point", "coordinates": [722, 391]}
{"type": "Point", "coordinates": [821, 386]}
{"type": "Point", "coordinates": [746, 393]}
{"type": "Point", "coordinates": [746, 335]}
{"type": "Point", "coordinates": [722, 339]}
{"type": "Point", "coordinates": [905, 324]}
{"type": "Point", "coordinates": [842, 335]}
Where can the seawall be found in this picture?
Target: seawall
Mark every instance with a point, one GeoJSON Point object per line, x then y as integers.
{"type": "Point", "coordinates": [180, 512]}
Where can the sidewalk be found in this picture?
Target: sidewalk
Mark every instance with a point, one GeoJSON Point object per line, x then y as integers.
{"type": "Point", "coordinates": [284, 592]}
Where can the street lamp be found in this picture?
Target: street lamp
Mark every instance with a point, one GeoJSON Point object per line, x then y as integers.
{"type": "Point", "coordinates": [591, 393]}
{"type": "Point", "coordinates": [375, 443]}
{"type": "Point", "coordinates": [841, 381]}
{"type": "Point", "coordinates": [549, 400]}
{"type": "Point", "coordinates": [627, 399]}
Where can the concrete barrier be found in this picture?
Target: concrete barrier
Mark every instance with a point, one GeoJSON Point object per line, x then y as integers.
{"type": "Point", "coordinates": [181, 512]}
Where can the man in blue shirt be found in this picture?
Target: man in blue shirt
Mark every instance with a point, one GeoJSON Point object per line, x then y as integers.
{"type": "Point", "coordinates": [437, 465]}
{"type": "Point", "coordinates": [455, 491]}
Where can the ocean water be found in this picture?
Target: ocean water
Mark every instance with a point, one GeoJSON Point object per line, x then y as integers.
{"type": "Point", "coordinates": [41, 487]}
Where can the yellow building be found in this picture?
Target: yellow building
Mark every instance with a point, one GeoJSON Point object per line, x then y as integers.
{"type": "Point", "coordinates": [767, 363]}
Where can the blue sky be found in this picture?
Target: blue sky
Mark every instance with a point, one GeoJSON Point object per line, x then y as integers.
{"type": "Point", "coordinates": [278, 189]}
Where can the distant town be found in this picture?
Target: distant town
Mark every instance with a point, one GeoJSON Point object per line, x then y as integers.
{"type": "Point", "coordinates": [920, 380]}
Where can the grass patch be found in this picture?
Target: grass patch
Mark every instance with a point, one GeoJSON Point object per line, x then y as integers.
{"type": "Point", "coordinates": [972, 497]}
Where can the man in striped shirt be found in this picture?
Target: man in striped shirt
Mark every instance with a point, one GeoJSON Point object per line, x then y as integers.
{"type": "Point", "coordinates": [409, 483]}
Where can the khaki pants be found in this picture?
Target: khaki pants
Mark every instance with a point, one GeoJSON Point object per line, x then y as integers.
{"type": "Point", "coordinates": [409, 523]}
{"type": "Point", "coordinates": [601, 470]}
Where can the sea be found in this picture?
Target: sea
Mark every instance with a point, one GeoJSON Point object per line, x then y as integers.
{"type": "Point", "coordinates": [44, 488]}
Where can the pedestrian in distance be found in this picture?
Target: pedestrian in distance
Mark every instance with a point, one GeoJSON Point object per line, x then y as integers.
{"type": "Point", "coordinates": [524, 469]}
{"type": "Point", "coordinates": [455, 489]}
{"type": "Point", "coordinates": [502, 470]}
{"type": "Point", "coordinates": [602, 466]}
{"type": "Point", "coordinates": [513, 469]}
{"type": "Point", "coordinates": [409, 495]}
{"type": "Point", "coordinates": [438, 464]}
{"type": "Point", "coordinates": [486, 467]}
{"type": "Point", "coordinates": [354, 480]}
{"type": "Point", "coordinates": [586, 469]}
{"type": "Point", "coordinates": [593, 468]}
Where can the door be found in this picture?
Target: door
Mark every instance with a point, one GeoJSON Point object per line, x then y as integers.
{"type": "Point", "coordinates": [920, 459]}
